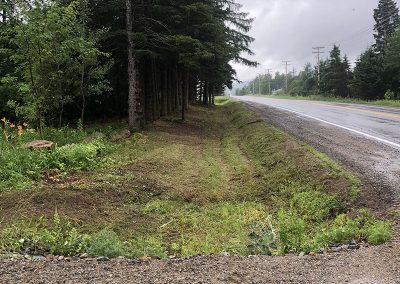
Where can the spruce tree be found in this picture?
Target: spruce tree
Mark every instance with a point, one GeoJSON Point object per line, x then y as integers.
{"type": "Point", "coordinates": [391, 64]}
{"type": "Point", "coordinates": [368, 82]}
{"type": "Point", "coordinates": [387, 20]}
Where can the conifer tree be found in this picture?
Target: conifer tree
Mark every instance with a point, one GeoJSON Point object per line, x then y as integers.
{"type": "Point", "coordinates": [387, 19]}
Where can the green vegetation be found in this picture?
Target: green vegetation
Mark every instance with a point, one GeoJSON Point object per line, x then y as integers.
{"type": "Point", "coordinates": [255, 190]}
{"type": "Point", "coordinates": [106, 243]}
{"type": "Point", "coordinates": [61, 61]}
{"type": "Point", "coordinates": [216, 179]}
{"type": "Point", "coordinates": [59, 237]}
{"type": "Point", "coordinates": [373, 80]}
{"type": "Point", "coordinates": [19, 166]}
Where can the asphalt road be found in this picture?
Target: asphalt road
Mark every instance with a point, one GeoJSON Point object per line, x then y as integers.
{"type": "Point", "coordinates": [364, 139]}
{"type": "Point", "coordinates": [381, 124]}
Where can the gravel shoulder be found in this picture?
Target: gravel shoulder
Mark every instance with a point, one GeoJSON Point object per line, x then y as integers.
{"type": "Point", "coordinates": [367, 265]}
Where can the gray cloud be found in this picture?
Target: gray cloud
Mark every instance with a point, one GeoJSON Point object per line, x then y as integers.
{"type": "Point", "coordinates": [288, 29]}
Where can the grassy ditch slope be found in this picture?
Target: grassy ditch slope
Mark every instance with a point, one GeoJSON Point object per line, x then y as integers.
{"type": "Point", "coordinates": [223, 181]}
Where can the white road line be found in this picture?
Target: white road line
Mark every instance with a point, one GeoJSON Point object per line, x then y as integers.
{"type": "Point", "coordinates": [343, 127]}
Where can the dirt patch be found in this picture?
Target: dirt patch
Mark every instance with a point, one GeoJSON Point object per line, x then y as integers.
{"type": "Point", "coordinates": [90, 208]}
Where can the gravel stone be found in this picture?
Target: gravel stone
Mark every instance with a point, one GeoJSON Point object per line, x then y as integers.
{"type": "Point", "coordinates": [373, 265]}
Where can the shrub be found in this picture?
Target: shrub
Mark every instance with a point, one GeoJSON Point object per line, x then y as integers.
{"type": "Point", "coordinates": [76, 157]}
{"type": "Point", "coordinates": [390, 95]}
{"type": "Point", "coordinates": [106, 243]}
{"type": "Point", "coordinates": [18, 166]}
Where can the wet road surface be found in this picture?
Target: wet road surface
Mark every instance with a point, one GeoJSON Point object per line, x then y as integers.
{"type": "Point", "coordinates": [381, 124]}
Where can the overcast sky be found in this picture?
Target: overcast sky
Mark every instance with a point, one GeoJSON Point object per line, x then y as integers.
{"type": "Point", "coordinates": [288, 29]}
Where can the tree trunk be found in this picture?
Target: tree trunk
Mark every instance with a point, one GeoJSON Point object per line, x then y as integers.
{"type": "Point", "coordinates": [164, 94]}
{"type": "Point", "coordinates": [60, 117]}
{"type": "Point", "coordinates": [82, 93]}
{"type": "Point", "coordinates": [205, 94]}
{"type": "Point", "coordinates": [133, 95]}
{"type": "Point", "coordinates": [186, 90]}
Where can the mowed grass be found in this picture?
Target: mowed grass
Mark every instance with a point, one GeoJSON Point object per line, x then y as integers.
{"type": "Point", "coordinates": [202, 186]}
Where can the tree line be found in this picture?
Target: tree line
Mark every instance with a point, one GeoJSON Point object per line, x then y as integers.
{"type": "Point", "coordinates": [61, 60]}
{"type": "Point", "coordinates": [375, 76]}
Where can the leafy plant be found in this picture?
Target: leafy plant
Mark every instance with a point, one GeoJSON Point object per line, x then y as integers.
{"type": "Point", "coordinates": [292, 229]}
{"type": "Point", "coordinates": [146, 246]}
{"type": "Point", "coordinates": [76, 157]}
{"type": "Point", "coordinates": [263, 239]}
{"type": "Point", "coordinates": [314, 206]}
{"type": "Point", "coordinates": [106, 243]}
{"type": "Point", "coordinates": [390, 95]}
{"type": "Point", "coordinates": [379, 232]}
{"type": "Point", "coordinates": [61, 238]}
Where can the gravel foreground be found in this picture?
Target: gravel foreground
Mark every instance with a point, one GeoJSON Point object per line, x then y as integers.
{"type": "Point", "coordinates": [373, 265]}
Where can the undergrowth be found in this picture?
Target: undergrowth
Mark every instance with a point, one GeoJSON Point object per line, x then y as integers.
{"type": "Point", "coordinates": [75, 150]}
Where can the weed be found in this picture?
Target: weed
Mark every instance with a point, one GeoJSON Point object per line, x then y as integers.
{"type": "Point", "coordinates": [379, 232]}
{"type": "Point", "coordinates": [106, 243]}
{"type": "Point", "coordinates": [343, 229]}
{"type": "Point", "coordinates": [292, 229]}
{"type": "Point", "coordinates": [152, 246]}
{"type": "Point", "coordinates": [263, 239]}
{"type": "Point", "coordinates": [314, 206]}
{"type": "Point", "coordinates": [59, 238]}
{"type": "Point", "coordinates": [76, 157]}
{"type": "Point", "coordinates": [176, 189]}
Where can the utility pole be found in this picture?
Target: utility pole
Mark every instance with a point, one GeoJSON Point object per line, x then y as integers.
{"type": "Point", "coordinates": [259, 84]}
{"type": "Point", "coordinates": [318, 52]}
{"type": "Point", "coordinates": [286, 63]}
{"type": "Point", "coordinates": [269, 80]}
{"type": "Point", "coordinates": [253, 88]}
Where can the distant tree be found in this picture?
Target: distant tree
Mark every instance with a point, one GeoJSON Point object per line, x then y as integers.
{"type": "Point", "coordinates": [368, 82]}
{"type": "Point", "coordinates": [391, 63]}
{"type": "Point", "coordinates": [387, 20]}
{"type": "Point", "coordinates": [336, 74]}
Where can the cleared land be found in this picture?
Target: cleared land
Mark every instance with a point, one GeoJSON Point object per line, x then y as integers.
{"type": "Point", "coordinates": [203, 187]}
